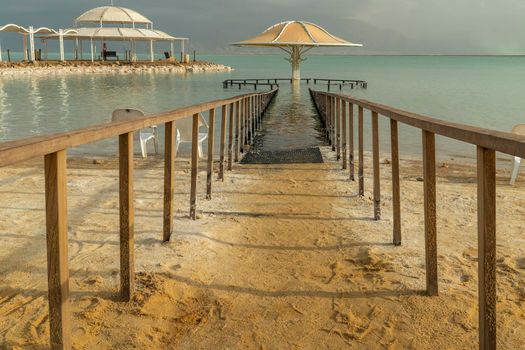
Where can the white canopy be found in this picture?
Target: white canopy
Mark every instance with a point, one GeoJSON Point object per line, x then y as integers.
{"type": "Point", "coordinates": [15, 28]}
{"type": "Point", "coordinates": [112, 14]}
{"type": "Point", "coordinates": [119, 34]}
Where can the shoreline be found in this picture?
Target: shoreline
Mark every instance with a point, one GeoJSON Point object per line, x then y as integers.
{"type": "Point", "coordinates": [9, 69]}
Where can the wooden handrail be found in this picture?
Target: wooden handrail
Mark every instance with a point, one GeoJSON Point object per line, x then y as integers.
{"type": "Point", "coordinates": [54, 149]}
{"type": "Point", "coordinates": [487, 142]}
{"type": "Point", "coordinates": [499, 141]}
{"type": "Point", "coordinates": [20, 150]}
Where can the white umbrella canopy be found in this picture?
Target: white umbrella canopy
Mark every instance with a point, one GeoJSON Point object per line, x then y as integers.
{"type": "Point", "coordinates": [296, 38]}
{"type": "Point", "coordinates": [112, 14]}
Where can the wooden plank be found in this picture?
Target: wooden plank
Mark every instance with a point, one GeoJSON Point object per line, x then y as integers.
{"type": "Point", "coordinates": [230, 137]}
{"type": "Point", "coordinates": [429, 175]}
{"type": "Point", "coordinates": [487, 247]}
{"type": "Point", "coordinates": [57, 252]}
{"type": "Point", "coordinates": [377, 176]}
{"type": "Point", "coordinates": [360, 171]}
{"type": "Point", "coordinates": [338, 127]}
{"type": "Point", "coordinates": [211, 144]}
{"type": "Point", "coordinates": [20, 150]}
{"type": "Point", "coordinates": [127, 216]}
{"type": "Point", "coordinates": [344, 133]}
{"type": "Point", "coordinates": [194, 166]}
{"type": "Point", "coordinates": [169, 179]}
{"type": "Point", "coordinates": [223, 142]}
{"type": "Point", "coordinates": [351, 141]}
{"type": "Point", "coordinates": [396, 194]}
{"type": "Point", "coordinates": [237, 129]}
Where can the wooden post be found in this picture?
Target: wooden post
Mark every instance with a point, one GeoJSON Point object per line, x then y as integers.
{"type": "Point", "coordinates": [338, 127]}
{"type": "Point", "coordinates": [211, 141]}
{"type": "Point", "coordinates": [429, 175]}
{"type": "Point", "coordinates": [327, 119]}
{"type": "Point", "coordinates": [237, 129]}
{"type": "Point", "coordinates": [223, 142]}
{"type": "Point", "coordinates": [127, 216]}
{"type": "Point", "coordinates": [343, 131]}
{"type": "Point", "coordinates": [57, 256]}
{"type": "Point", "coordinates": [377, 176]}
{"type": "Point", "coordinates": [487, 247]}
{"type": "Point", "coordinates": [194, 166]}
{"type": "Point", "coordinates": [396, 196]}
{"type": "Point", "coordinates": [351, 140]}
{"type": "Point", "coordinates": [332, 123]}
{"type": "Point", "coordinates": [360, 172]}
{"type": "Point", "coordinates": [230, 138]}
{"type": "Point", "coordinates": [169, 179]}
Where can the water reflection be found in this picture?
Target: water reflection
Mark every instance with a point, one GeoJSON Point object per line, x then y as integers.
{"type": "Point", "coordinates": [4, 110]}
{"type": "Point", "coordinates": [63, 93]}
{"type": "Point", "coordinates": [36, 102]}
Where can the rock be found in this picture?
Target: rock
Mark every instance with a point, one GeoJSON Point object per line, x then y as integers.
{"type": "Point", "coordinates": [420, 179]}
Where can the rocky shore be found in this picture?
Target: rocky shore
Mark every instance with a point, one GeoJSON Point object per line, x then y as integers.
{"type": "Point", "coordinates": [115, 67]}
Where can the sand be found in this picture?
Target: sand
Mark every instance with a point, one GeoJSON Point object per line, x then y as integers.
{"type": "Point", "coordinates": [282, 257]}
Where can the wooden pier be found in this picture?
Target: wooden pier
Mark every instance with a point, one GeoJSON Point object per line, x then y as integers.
{"type": "Point", "coordinates": [255, 83]}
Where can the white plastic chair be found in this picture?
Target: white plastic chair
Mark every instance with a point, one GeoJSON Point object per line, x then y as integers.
{"type": "Point", "coordinates": [143, 135]}
{"type": "Point", "coordinates": [517, 129]}
{"type": "Point", "coordinates": [184, 132]}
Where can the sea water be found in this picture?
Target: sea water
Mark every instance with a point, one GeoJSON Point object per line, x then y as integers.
{"type": "Point", "coordinates": [482, 91]}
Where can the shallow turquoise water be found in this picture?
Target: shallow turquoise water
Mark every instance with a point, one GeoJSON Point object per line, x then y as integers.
{"type": "Point", "coordinates": [482, 91]}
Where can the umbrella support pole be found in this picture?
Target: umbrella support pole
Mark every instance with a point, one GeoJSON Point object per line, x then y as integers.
{"type": "Point", "coordinates": [295, 60]}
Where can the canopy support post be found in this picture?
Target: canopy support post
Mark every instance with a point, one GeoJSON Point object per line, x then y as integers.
{"type": "Point", "coordinates": [45, 50]}
{"type": "Point", "coordinates": [31, 44]}
{"type": "Point", "coordinates": [182, 52]}
{"type": "Point", "coordinates": [25, 47]}
{"type": "Point", "coordinates": [171, 47]}
{"type": "Point", "coordinates": [295, 60]}
{"type": "Point", "coordinates": [81, 50]}
{"type": "Point", "coordinates": [152, 58]}
{"type": "Point", "coordinates": [1, 52]}
{"type": "Point", "coordinates": [61, 35]}
{"type": "Point", "coordinates": [92, 52]}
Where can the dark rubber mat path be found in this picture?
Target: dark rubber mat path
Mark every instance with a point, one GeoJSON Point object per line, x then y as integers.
{"type": "Point", "coordinates": [299, 155]}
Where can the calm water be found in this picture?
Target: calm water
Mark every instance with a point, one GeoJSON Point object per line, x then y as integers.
{"type": "Point", "coordinates": [482, 91]}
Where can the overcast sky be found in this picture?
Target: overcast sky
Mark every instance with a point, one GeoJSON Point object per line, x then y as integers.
{"type": "Point", "coordinates": [383, 26]}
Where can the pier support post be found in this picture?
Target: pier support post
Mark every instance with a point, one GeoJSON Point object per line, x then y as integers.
{"type": "Point", "coordinates": [338, 127]}
{"type": "Point", "coordinates": [223, 142]}
{"type": "Point", "coordinates": [127, 216]}
{"type": "Point", "coordinates": [211, 141]}
{"type": "Point", "coordinates": [351, 141]}
{"type": "Point", "coordinates": [360, 174]}
{"type": "Point", "coordinates": [344, 132]}
{"type": "Point", "coordinates": [230, 137]}
{"type": "Point", "coordinates": [57, 256]}
{"type": "Point", "coordinates": [169, 179]}
{"type": "Point", "coordinates": [429, 175]}
{"type": "Point", "coordinates": [487, 247]}
{"type": "Point", "coordinates": [237, 129]}
{"type": "Point", "coordinates": [377, 176]}
{"type": "Point", "coordinates": [396, 194]}
{"type": "Point", "coordinates": [194, 166]}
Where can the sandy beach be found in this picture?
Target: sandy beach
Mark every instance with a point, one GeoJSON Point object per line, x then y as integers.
{"type": "Point", "coordinates": [9, 69]}
{"type": "Point", "coordinates": [282, 257]}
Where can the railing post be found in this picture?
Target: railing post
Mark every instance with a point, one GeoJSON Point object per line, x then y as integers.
{"type": "Point", "coordinates": [211, 142]}
{"type": "Point", "coordinates": [377, 176]}
{"type": "Point", "coordinates": [486, 159]}
{"type": "Point", "coordinates": [127, 216]}
{"type": "Point", "coordinates": [344, 131]}
{"type": "Point", "coordinates": [328, 125]}
{"type": "Point", "coordinates": [237, 128]}
{"type": "Point", "coordinates": [230, 138]}
{"type": "Point", "coordinates": [361, 169]}
{"type": "Point", "coordinates": [429, 175]}
{"type": "Point", "coordinates": [338, 127]}
{"type": "Point", "coordinates": [169, 179]}
{"type": "Point", "coordinates": [396, 196]}
{"type": "Point", "coordinates": [223, 142]}
{"type": "Point", "coordinates": [332, 123]}
{"type": "Point", "coordinates": [194, 166]}
{"type": "Point", "coordinates": [351, 140]}
{"type": "Point", "coordinates": [57, 256]}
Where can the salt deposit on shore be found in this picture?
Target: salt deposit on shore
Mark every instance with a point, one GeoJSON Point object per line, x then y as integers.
{"type": "Point", "coordinates": [283, 257]}
{"type": "Point", "coordinates": [77, 67]}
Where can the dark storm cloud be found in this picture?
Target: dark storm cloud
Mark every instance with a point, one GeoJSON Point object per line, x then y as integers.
{"type": "Point", "coordinates": [384, 26]}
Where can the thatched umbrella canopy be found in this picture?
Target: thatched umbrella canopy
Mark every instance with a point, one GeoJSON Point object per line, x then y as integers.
{"type": "Point", "coordinates": [296, 38]}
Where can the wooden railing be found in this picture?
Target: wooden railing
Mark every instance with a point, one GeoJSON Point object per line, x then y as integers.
{"type": "Point", "coordinates": [242, 114]}
{"type": "Point", "coordinates": [275, 82]}
{"type": "Point", "coordinates": [336, 110]}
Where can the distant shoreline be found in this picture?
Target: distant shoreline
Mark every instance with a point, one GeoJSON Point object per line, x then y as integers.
{"type": "Point", "coordinates": [114, 67]}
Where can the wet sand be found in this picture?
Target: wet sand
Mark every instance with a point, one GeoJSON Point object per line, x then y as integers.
{"type": "Point", "coordinates": [282, 257]}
